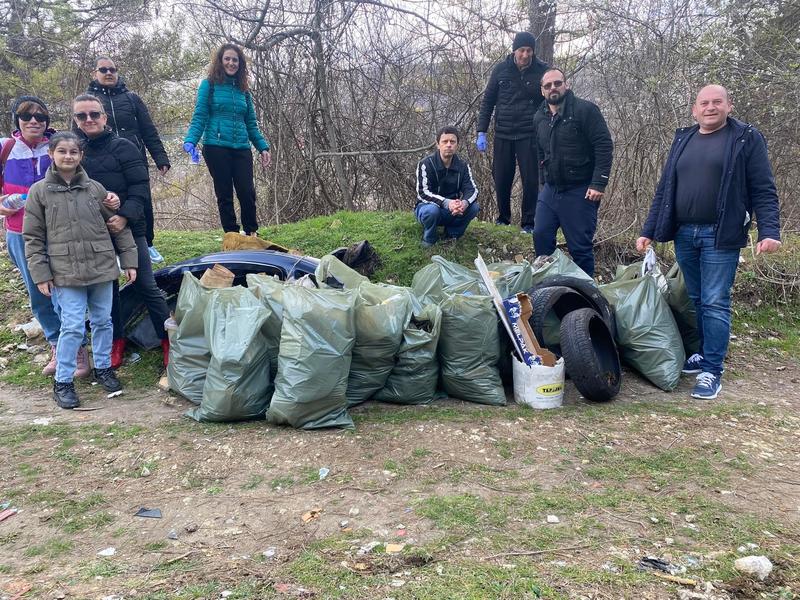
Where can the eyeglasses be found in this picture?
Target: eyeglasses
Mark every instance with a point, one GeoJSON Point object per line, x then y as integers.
{"type": "Point", "coordinates": [105, 70]}
{"type": "Point", "coordinates": [94, 115]}
{"type": "Point", "coordinates": [26, 116]}
{"type": "Point", "coordinates": [552, 84]}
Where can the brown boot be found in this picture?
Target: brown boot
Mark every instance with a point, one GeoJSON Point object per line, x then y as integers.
{"type": "Point", "coordinates": [82, 369]}
{"type": "Point", "coordinates": [50, 368]}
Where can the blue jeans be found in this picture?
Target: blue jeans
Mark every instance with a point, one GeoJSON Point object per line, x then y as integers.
{"type": "Point", "coordinates": [569, 209]}
{"type": "Point", "coordinates": [42, 307]}
{"type": "Point", "coordinates": [431, 216]}
{"type": "Point", "coordinates": [709, 275]}
{"type": "Point", "coordinates": [73, 302]}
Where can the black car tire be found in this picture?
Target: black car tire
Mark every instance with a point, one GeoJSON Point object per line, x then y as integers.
{"type": "Point", "coordinates": [590, 355]}
{"type": "Point", "coordinates": [588, 290]}
{"type": "Point", "coordinates": [560, 301]}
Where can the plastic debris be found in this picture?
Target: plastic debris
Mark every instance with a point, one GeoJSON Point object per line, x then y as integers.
{"type": "Point", "coordinates": [553, 519]}
{"type": "Point", "coordinates": [757, 566]}
{"type": "Point", "coordinates": [366, 549]}
{"type": "Point", "coordinates": [269, 552]}
{"type": "Point", "coordinates": [148, 513]}
{"type": "Point", "coordinates": [7, 512]}
{"type": "Point", "coordinates": [172, 535]}
{"type": "Point", "coordinates": [394, 548]}
{"type": "Point", "coordinates": [656, 564]}
{"type": "Point", "coordinates": [114, 394]}
{"type": "Point", "coordinates": [110, 551]}
{"type": "Point", "coordinates": [323, 473]}
{"type": "Point", "coordinates": [312, 514]}
{"type": "Point", "coordinates": [353, 512]}
{"type": "Point", "coordinates": [145, 471]}
{"type": "Point", "coordinates": [42, 421]}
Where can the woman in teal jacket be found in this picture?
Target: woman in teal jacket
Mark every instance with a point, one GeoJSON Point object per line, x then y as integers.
{"type": "Point", "coordinates": [225, 118]}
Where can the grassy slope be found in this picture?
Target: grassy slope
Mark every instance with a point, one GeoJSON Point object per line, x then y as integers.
{"type": "Point", "coordinates": [395, 237]}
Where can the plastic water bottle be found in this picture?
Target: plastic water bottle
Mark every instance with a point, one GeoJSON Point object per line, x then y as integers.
{"type": "Point", "coordinates": [14, 201]}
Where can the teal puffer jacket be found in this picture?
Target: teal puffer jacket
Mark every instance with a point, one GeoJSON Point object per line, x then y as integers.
{"type": "Point", "coordinates": [225, 118]}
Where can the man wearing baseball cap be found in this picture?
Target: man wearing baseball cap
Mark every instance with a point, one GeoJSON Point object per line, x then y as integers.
{"type": "Point", "coordinates": [513, 94]}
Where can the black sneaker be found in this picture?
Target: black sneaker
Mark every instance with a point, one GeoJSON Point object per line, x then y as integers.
{"type": "Point", "coordinates": [108, 379]}
{"type": "Point", "coordinates": [65, 396]}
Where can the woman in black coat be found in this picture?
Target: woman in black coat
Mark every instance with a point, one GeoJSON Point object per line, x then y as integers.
{"type": "Point", "coordinates": [117, 164]}
{"type": "Point", "coordinates": [129, 118]}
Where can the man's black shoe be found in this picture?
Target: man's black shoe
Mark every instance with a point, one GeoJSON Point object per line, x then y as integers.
{"type": "Point", "coordinates": [501, 222]}
{"type": "Point", "coordinates": [108, 379]}
{"type": "Point", "coordinates": [65, 396]}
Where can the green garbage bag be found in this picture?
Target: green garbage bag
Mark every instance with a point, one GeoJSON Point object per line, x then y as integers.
{"type": "Point", "coordinates": [469, 349]}
{"type": "Point", "coordinates": [330, 267]}
{"type": "Point", "coordinates": [683, 309]}
{"type": "Point", "coordinates": [189, 353]}
{"type": "Point", "coordinates": [316, 347]}
{"type": "Point", "coordinates": [270, 292]}
{"type": "Point", "coordinates": [237, 385]}
{"type": "Point", "coordinates": [415, 374]}
{"type": "Point", "coordinates": [432, 282]}
{"type": "Point", "coordinates": [513, 278]}
{"type": "Point", "coordinates": [648, 337]}
{"type": "Point", "coordinates": [381, 313]}
{"type": "Point", "coordinates": [557, 263]}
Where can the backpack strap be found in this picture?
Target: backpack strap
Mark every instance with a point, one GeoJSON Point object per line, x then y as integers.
{"type": "Point", "coordinates": [4, 152]}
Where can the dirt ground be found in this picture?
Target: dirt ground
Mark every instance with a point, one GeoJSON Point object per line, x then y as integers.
{"type": "Point", "coordinates": [467, 490]}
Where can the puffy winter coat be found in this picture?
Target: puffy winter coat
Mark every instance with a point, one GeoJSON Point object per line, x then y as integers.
{"type": "Point", "coordinates": [514, 96]}
{"type": "Point", "coordinates": [66, 238]}
{"type": "Point", "coordinates": [25, 166]}
{"type": "Point", "coordinates": [117, 164]}
{"type": "Point", "coordinates": [224, 116]}
{"type": "Point", "coordinates": [128, 117]}
{"type": "Point", "coordinates": [747, 187]}
{"type": "Point", "coordinates": [575, 147]}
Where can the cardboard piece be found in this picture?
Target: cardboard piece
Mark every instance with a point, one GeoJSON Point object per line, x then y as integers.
{"type": "Point", "coordinates": [526, 342]}
{"type": "Point", "coordinates": [217, 277]}
{"type": "Point", "coordinates": [548, 358]}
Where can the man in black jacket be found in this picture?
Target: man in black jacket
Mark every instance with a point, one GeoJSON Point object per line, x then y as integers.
{"type": "Point", "coordinates": [716, 178]}
{"type": "Point", "coordinates": [446, 192]}
{"type": "Point", "coordinates": [513, 95]}
{"type": "Point", "coordinates": [129, 118]}
{"type": "Point", "coordinates": [576, 151]}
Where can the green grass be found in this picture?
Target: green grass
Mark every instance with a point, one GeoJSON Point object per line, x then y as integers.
{"type": "Point", "coordinates": [101, 568]}
{"type": "Point", "coordinates": [50, 549]}
{"type": "Point", "coordinates": [462, 513]}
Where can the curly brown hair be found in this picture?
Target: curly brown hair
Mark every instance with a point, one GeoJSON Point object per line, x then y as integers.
{"type": "Point", "coordinates": [216, 72]}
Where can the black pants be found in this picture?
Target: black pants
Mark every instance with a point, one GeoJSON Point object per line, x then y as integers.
{"type": "Point", "coordinates": [149, 220]}
{"type": "Point", "coordinates": [147, 290]}
{"type": "Point", "coordinates": [231, 168]}
{"type": "Point", "coordinates": [507, 153]}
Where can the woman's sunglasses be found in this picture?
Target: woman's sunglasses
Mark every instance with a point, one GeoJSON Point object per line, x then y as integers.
{"type": "Point", "coordinates": [82, 116]}
{"type": "Point", "coordinates": [105, 70]}
{"type": "Point", "coordinates": [26, 116]}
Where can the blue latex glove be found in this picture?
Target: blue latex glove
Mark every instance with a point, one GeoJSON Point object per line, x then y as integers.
{"type": "Point", "coordinates": [192, 151]}
{"type": "Point", "coordinates": [482, 144]}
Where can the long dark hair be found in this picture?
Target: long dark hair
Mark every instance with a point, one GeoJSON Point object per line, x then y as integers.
{"type": "Point", "coordinates": [216, 72]}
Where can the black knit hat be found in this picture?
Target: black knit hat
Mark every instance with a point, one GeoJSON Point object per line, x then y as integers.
{"type": "Point", "coordinates": [523, 39]}
{"type": "Point", "coordinates": [21, 100]}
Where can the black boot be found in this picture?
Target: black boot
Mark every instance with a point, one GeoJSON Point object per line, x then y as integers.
{"type": "Point", "coordinates": [108, 379]}
{"type": "Point", "coordinates": [64, 395]}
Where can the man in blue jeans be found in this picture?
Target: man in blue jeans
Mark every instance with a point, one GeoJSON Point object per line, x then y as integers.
{"type": "Point", "coordinates": [446, 191]}
{"type": "Point", "coordinates": [716, 178]}
{"type": "Point", "coordinates": [576, 153]}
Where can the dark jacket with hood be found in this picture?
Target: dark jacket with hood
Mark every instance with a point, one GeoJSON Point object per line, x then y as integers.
{"type": "Point", "coordinates": [436, 184]}
{"type": "Point", "coordinates": [128, 117]}
{"type": "Point", "coordinates": [117, 164]}
{"type": "Point", "coordinates": [747, 187]}
{"type": "Point", "coordinates": [513, 96]}
{"type": "Point", "coordinates": [575, 146]}
{"type": "Point", "coordinates": [66, 238]}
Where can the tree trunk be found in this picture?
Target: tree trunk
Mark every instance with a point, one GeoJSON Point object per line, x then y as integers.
{"type": "Point", "coordinates": [542, 18]}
